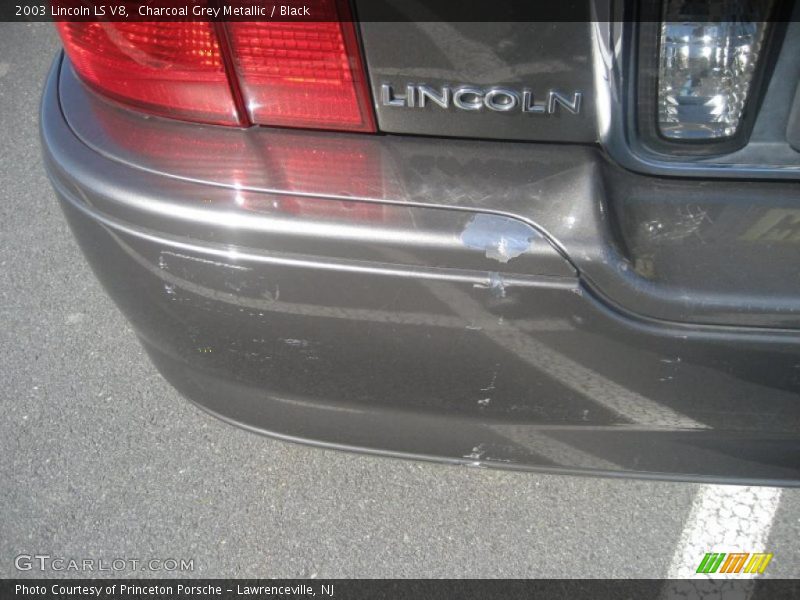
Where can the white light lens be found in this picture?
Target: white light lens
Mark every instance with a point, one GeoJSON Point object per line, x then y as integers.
{"type": "Point", "coordinates": [706, 67]}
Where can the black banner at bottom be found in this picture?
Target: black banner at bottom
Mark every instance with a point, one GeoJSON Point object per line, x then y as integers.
{"type": "Point", "coordinates": [373, 589]}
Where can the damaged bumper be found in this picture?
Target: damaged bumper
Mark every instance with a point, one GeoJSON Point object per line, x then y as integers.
{"type": "Point", "coordinates": [451, 300]}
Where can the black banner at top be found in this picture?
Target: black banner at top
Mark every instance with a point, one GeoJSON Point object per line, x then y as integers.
{"type": "Point", "coordinates": [378, 10]}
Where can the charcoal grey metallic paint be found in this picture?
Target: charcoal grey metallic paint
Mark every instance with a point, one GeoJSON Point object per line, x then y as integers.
{"type": "Point", "coordinates": [484, 303]}
{"type": "Point", "coordinates": [593, 58]}
{"type": "Point", "coordinates": [541, 57]}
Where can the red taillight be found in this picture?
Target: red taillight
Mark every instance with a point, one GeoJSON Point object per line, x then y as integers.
{"type": "Point", "coordinates": [170, 69]}
{"type": "Point", "coordinates": [292, 74]}
{"type": "Point", "coordinates": [302, 74]}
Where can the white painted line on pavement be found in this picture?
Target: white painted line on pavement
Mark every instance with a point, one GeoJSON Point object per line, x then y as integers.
{"type": "Point", "coordinates": [724, 518]}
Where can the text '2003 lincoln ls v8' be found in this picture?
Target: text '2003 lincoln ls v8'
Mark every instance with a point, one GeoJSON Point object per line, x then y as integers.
{"type": "Point", "coordinates": [566, 246]}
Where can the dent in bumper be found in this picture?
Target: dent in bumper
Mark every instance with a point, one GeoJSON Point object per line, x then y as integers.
{"type": "Point", "coordinates": [402, 334]}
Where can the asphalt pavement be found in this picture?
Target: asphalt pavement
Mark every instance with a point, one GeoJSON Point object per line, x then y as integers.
{"type": "Point", "coordinates": [101, 459]}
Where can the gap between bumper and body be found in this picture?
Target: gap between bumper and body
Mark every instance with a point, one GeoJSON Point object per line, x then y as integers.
{"type": "Point", "coordinates": [473, 302]}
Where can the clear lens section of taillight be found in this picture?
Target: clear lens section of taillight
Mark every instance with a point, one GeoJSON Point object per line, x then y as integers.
{"type": "Point", "coordinates": [303, 74]}
{"type": "Point", "coordinates": [172, 69]}
{"type": "Point", "coordinates": [706, 65]}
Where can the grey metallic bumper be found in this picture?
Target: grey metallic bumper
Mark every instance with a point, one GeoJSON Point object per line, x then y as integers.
{"type": "Point", "coordinates": [472, 302]}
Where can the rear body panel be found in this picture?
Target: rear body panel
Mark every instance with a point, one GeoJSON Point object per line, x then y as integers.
{"type": "Point", "coordinates": [537, 57]}
{"type": "Point", "coordinates": [478, 302]}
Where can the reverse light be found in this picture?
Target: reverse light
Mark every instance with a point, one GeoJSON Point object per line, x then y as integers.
{"type": "Point", "coordinates": [298, 73]}
{"type": "Point", "coordinates": [706, 66]}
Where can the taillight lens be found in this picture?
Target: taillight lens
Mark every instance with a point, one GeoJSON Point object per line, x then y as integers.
{"type": "Point", "coordinates": [302, 74]}
{"type": "Point", "coordinates": [172, 69]}
{"type": "Point", "coordinates": [287, 73]}
{"type": "Point", "coordinates": [706, 66]}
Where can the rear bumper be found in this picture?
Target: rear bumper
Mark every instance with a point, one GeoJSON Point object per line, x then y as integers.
{"type": "Point", "coordinates": [447, 300]}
